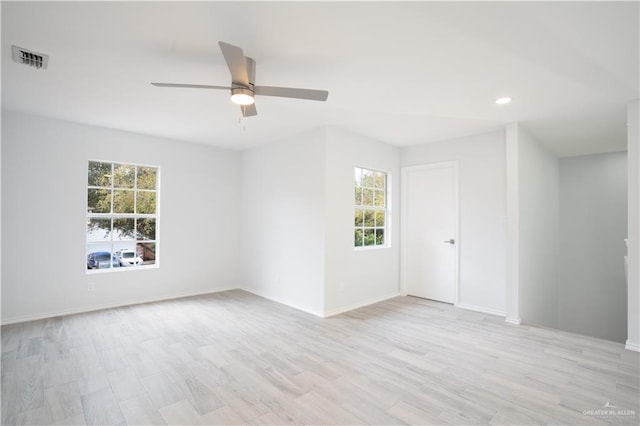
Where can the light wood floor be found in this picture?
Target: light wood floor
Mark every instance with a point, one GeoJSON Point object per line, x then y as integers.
{"type": "Point", "coordinates": [235, 358]}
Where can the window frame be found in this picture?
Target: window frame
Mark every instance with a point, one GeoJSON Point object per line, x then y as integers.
{"type": "Point", "coordinates": [113, 216]}
{"type": "Point", "coordinates": [386, 208]}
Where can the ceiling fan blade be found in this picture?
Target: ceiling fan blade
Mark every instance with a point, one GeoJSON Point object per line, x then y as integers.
{"type": "Point", "coordinates": [248, 110]}
{"type": "Point", "coordinates": [234, 57]}
{"type": "Point", "coordinates": [290, 92]}
{"type": "Point", "coordinates": [190, 86]}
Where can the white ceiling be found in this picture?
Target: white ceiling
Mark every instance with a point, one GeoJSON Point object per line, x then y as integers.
{"type": "Point", "coordinates": [402, 73]}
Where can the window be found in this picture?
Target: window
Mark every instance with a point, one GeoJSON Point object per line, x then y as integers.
{"type": "Point", "coordinates": [122, 215]}
{"type": "Point", "coordinates": [370, 208]}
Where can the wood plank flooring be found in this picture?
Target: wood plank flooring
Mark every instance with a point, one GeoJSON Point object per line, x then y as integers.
{"type": "Point", "coordinates": [236, 358]}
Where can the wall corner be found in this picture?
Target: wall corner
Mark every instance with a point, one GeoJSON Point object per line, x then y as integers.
{"type": "Point", "coordinates": [513, 224]}
{"type": "Point", "coordinates": [633, 227]}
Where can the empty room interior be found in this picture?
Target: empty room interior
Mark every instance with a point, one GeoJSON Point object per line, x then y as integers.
{"type": "Point", "coordinates": [320, 213]}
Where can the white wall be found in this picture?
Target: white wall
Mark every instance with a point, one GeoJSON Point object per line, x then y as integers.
{"type": "Point", "coordinates": [633, 293]}
{"type": "Point", "coordinates": [482, 233]}
{"type": "Point", "coordinates": [297, 233]}
{"type": "Point", "coordinates": [357, 277]}
{"type": "Point", "coordinates": [283, 206]}
{"type": "Point", "coordinates": [592, 291]}
{"type": "Point", "coordinates": [44, 177]}
{"type": "Point", "coordinates": [538, 222]}
{"type": "Point", "coordinates": [293, 219]}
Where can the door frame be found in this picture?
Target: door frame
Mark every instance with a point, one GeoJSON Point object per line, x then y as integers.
{"type": "Point", "coordinates": [403, 223]}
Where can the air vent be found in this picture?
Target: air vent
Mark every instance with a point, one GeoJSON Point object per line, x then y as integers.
{"type": "Point", "coordinates": [27, 57]}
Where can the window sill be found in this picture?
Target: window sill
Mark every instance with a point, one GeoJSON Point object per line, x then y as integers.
{"type": "Point", "coordinates": [370, 248]}
{"type": "Point", "coordinates": [121, 269]}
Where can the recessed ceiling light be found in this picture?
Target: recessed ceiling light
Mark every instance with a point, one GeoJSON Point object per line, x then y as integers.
{"type": "Point", "coordinates": [503, 101]}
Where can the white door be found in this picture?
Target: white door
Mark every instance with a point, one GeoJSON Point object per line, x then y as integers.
{"type": "Point", "coordinates": [429, 231]}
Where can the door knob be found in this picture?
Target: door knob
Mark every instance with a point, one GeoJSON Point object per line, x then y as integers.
{"type": "Point", "coordinates": [451, 241]}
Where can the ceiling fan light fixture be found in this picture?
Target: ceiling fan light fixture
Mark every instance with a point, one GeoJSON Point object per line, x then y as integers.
{"type": "Point", "coordinates": [241, 96]}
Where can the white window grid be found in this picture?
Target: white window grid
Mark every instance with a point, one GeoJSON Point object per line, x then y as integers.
{"type": "Point", "coordinates": [378, 188]}
{"type": "Point", "coordinates": [135, 216]}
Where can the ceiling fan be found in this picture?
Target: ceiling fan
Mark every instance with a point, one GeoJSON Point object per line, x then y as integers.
{"type": "Point", "coordinates": [243, 88]}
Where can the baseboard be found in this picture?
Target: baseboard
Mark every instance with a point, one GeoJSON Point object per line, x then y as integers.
{"type": "Point", "coordinates": [93, 308]}
{"type": "Point", "coordinates": [481, 309]}
{"type": "Point", "coordinates": [514, 321]}
{"type": "Point", "coordinates": [351, 307]}
{"type": "Point", "coordinates": [286, 302]}
{"type": "Point", "coordinates": [632, 346]}
{"type": "Point", "coordinates": [325, 314]}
